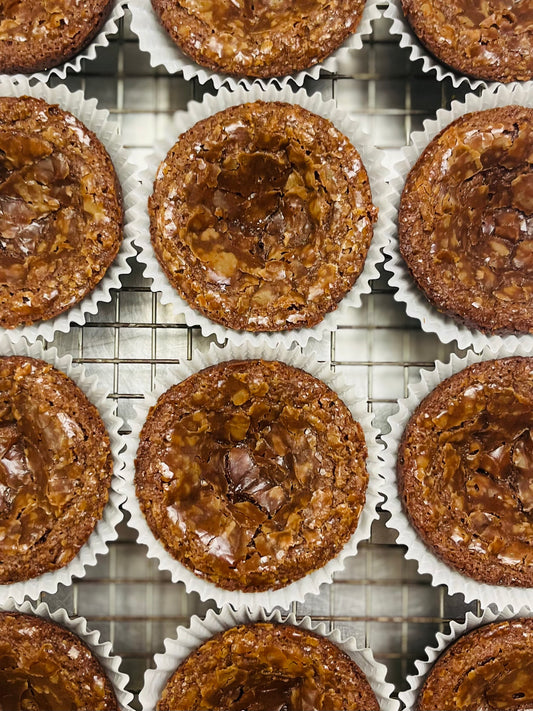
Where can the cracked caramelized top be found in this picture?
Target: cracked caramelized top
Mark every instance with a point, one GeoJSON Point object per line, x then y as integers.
{"type": "Point", "coordinates": [267, 667]}
{"type": "Point", "coordinates": [60, 211]}
{"type": "Point", "coordinates": [488, 39]}
{"type": "Point", "coordinates": [44, 667]}
{"type": "Point", "coordinates": [40, 34]}
{"type": "Point", "coordinates": [261, 217]}
{"type": "Point", "coordinates": [251, 473]}
{"type": "Point", "coordinates": [262, 38]}
{"type": "Point", "coordinates": [465, 467]}
{"type": "Point", "coordinates": [487, 669]}
{"type": "Point", "coordinates": [466, 220]}
{"type": "Point", "coordinates": [55, 468]}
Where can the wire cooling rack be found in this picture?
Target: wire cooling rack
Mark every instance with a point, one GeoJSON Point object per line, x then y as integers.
{"type": "Point", "coordinates": [379, 598]}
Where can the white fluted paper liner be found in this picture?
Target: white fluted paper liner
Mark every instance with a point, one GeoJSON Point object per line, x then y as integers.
{"type": "Point", "coordinates": [105, 530]}
{"type": "Point", "coordinates": [457, 629]}
{"type": "Point", "coordinates": [430, 63]}
{"type": "Point", "coordinates": [310, 584]}
{"type": "Point", "coordinates": [416, 304]}
{"type": "Point", "coordinates": [381, 197]}
{"type": "Point", "coordinates": [97, 120]}
{"type": "Point", "coordinates": [188, 639]}
{"type": "Point", "coordinates": [154, 39]}
{"type": "Point", "coordinates": [110, 27]}
{"type": "Point", "coordinates": [428, 562]}
{"type": "Point", "coordinates": [78, 625]}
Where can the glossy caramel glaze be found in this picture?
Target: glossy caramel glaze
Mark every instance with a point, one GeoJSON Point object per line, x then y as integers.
{"type": "Point", "coordinates": [261, 217]}
{"type": "Point", "coordinates": [465, 468]}
{"type": "Point", "coordinates": [466, 220]}
{"type": "Point", "coordinates": [267, 667]}
{"type": "Point", "coordinates": [251, 473]}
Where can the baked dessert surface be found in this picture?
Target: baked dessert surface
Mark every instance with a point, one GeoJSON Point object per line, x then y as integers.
{"type": "Point", "coordinates": [44, 667]}
{"type": "Point", "coordinates": [464, 471]}
{"type": "Point", "coordinates": [251, 474]}
{"type": "Point", "coordinates": [259, 38]}
{"type": "Point", "coordinates": [55, 468]}
{"type": "Point", "coordinates": [489, 40]}
{"type": "Point", "coordinates": [268, 667]}
{"type": "Point", "coordinates": [489, 668]}
{"type": "Point", "coordinates": [60, 211]}
{"type": "Point", "coordinates": [466, 220]}
{"type": "Point", "coordinates": [38, 35]}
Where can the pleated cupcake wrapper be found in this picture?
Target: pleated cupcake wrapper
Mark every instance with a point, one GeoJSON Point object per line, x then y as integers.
{"type": "Point", "coordinates": [97, 120]}
{"type": "Point", "coordinates": [105, 529]}
{"type": "Point", "coordinates": [110, 27]}
{"type": "Point", "coordinates": [443, 641]}
{"type": "Point", "coordinates": [310, 584]}
{"type": "Point", "coordinates": [381, 196]}
{"type": "Point", "coordinates": [155, 40]}
{"type": "Point", "coordinates": [402, 29]}
{"type": "Point", "coordinates": [428, 562]}
{"type": "Point", "coordinates": [416, 304]}
{"type": "Point", "coordinates": [188, 639]}
{"type": "Point", "coordinates": [78, 626]}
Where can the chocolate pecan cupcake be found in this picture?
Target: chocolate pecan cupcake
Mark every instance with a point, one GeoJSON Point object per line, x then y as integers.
{"type": "Point", "coordinates": [265, 666]}
{"type": "Point", "coordinates": [491, 40]}
{"type": "Point", "coordinates": [261, 217]}
{"type": "Point", "coordinates": [46, 667]}
{"type": "Point", "coordinates": [490, 667]}
{"type": "Point", "coordinates": [60, 211]}
{"type": "Point", "coordinates": [55, 468]}
{"type": "Point", "coordinates": [38, 35]}
{"type": "Point", "coordinates": [466, 220]}
{"type": "Point", "coordinates": [464, 471]}
{"type": "Point", "coordinates": [251, 473]}
{"type": "Point", "coordinates": [260, 38]}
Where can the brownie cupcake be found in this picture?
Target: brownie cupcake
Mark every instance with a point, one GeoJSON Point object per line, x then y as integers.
{"type": "Point", "coordinates": [464, 465]}
{"type": "Point", "coordinates": [251, 474]}
{"type": "Point", "coordinates": [259, 39]}
{"type": "Point", "coordinates": [492, 41]}
{"type": "Point", "coordinates": [39, 35]}
{"type": "Point", "coordinates": [261, 217]}
{"type": "Point", "coordinates": [45, 666]}
{"type": "Point", "coordinates": [55, 471]}
{"type": "Point", "coordinates": [490, 667]}
{"type": "Point", "coordinates": [61, 218]}
{"type": "Point", "coordinates": [466, 219]}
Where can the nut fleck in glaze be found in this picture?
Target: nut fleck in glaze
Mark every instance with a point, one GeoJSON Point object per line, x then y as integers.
{"type": "Point", "coordinates": [464, 471]}
{"type": "Point", "coordinates": [466, 220]}
{"type": "Point", "coordinates": [55, 468]}
{"type": "Point", "coordinates": [487, 39]}
{"type": "Point", "coordinates": [40, 34]}
{"type": "Point", "coordinates": [251, 473]}
{"type": "Point", "coordinates": [488, 669]}
{"type": "Point", "coordinates": [261, 217]}
{"type": "Point", "coordinates": [262, 38]}
{"type": "Point", "coordinates": [267, 667]}
{"type": "Point", "coordinates": [60, 211]}
{"type": "Point", "coordinates": [48, 668]}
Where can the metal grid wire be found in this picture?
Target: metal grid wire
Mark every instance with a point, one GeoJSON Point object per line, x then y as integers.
{"type": "Point", "coordinates": [380, 598]}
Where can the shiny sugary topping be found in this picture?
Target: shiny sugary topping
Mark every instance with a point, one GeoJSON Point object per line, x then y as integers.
{"type": "Point", "coordinates": [466, 220]}
{"type": "Point", "coordinates": [465, 469]}
{"type": "Point", "coordinates": [489, 669]}
{"type": "Point", "coordinates": [44, 667]}
{"type": "Point", "coordinates": [60, 211]}
{"type": "Point", "coordinates": [266, 667]}
{"type": "Point", "coordinates": [262, 217]}
{"type": "Point", "coordinates": [489, 39]}
{"type": "Point", "coordinates": [55, 468]}
{"type": "Point", "coordinates": [251, 473]}
{"type": "Point", "coordinates": [259, 37]}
